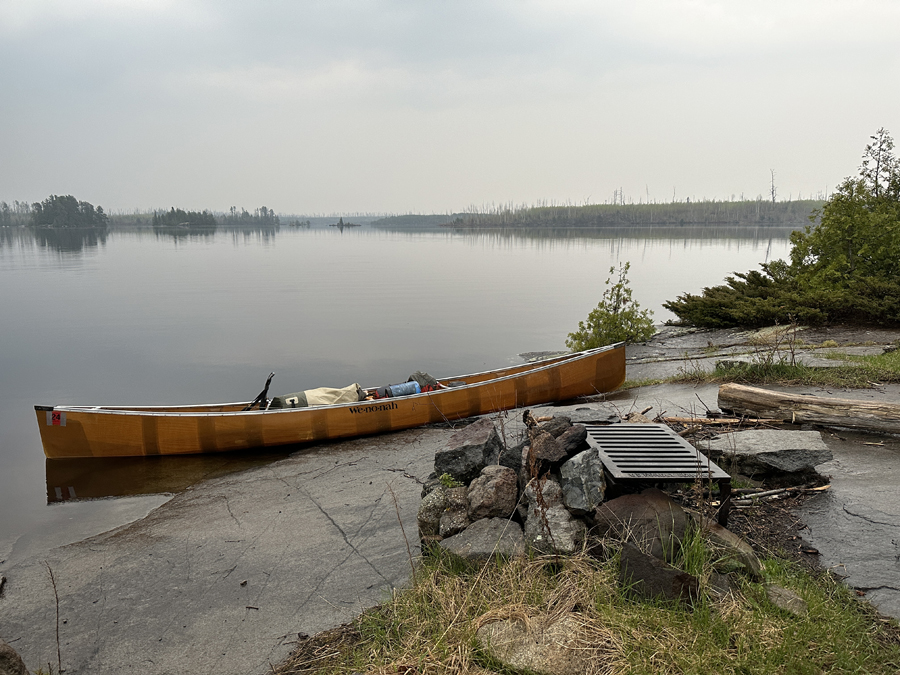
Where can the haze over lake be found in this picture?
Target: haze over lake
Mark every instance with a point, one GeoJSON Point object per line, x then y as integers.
{"type": "Point", "coordinates": [139, 317]}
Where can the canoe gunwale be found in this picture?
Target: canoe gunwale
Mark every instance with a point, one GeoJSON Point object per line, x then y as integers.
{"type": "Point", "coordinates": [172, 411]}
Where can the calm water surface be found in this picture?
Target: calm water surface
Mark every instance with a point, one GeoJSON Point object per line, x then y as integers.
{"type": "Point", "coordinates": [137, 317]}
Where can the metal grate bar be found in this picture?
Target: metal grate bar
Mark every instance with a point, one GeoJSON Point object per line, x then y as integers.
{"type": "Point", "coordinates": [653, 452]}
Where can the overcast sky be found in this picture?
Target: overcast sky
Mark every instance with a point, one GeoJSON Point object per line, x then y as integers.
{"type": "Point", "coordinates": [435, 106]}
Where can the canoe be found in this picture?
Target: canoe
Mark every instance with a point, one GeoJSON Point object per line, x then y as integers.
{"type": "Point", "coordinates": [123, 431]}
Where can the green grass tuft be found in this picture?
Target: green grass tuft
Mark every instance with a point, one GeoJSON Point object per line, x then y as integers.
{"type": "Point", "coordinates": [431, 628]}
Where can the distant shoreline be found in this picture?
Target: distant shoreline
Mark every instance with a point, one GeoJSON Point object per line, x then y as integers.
{"type": "Point", "coordinates": [746, 213]}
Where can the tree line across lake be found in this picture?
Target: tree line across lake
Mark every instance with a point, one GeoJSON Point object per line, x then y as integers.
{"type": "Point", "coordinates": [64, 212]}
{"type": "Point", "coordinates": [758, 212]}
{"type": "Point", "coordinates": [844, 264]}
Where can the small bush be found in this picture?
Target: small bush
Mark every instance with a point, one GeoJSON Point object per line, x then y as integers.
{"type": "Point", "coordinates": [617, 318]}
{"type": "Point", "coordinates": [449, 481]}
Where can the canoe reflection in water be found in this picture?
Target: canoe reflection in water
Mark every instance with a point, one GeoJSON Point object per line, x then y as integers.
{"type": "Point", "coordinates": [99, 478]}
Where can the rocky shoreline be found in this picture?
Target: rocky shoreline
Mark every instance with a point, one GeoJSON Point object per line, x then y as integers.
{"type": "Point", "coordinates": [225, 574]}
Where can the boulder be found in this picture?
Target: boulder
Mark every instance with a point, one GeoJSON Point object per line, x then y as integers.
{"type": "Point", "coordinates": [582, 481]}
{"type": "Point", "coordinates": [649, 577]}
{"type": "Point", "coordinates": [494, 493]}
{"type": "Point", "coordinates": [455, 516]}
{"type": "Point", "coordinates": [731, 552]}
{"type": "Point", "coordinates": [651, 520]}
{"type": "Point", "coordinates": [562, 647]}
{"type": "Point", "coordinates": [549, 527]}
{"type": "Point", "coordinates": [719, 585]}
{"type": "Point", "coordinates": [786, 599]}
{"type": "Point", "coordinates": [544, 490]}
{"type": "Point", "coordinates": [10, 661]}
{"type": "Point", "coordinates": [572, 439]}
{"type": "Point", "coordinates": [431, 483]}
{"type": "Point", "coordinates": [557, 426]}
{"type": "Point", "coordinates": [546, 448]}
{"type": "Point", "coordinates": [430, 511]}
{"type": "Point", "coordinates": [485, 538]}
{"type": "Point", "coordinates": [468, 451]}
{"type": "Point", "coordinates": [770, 451]}
{"type": "Point", "coordinates": [512, 456]}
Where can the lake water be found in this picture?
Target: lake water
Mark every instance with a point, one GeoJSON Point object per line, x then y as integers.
{"type": "Point", "coordinates": [139, 317]}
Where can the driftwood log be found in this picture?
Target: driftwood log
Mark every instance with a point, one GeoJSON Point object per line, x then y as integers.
{"type": "Point", "coordinates": [798, 409]}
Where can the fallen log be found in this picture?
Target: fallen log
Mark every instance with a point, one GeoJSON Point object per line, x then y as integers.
{"type": "Point", "coordinates": [717, 420]}
{"type": "Point", "coordinates": [799, 409]}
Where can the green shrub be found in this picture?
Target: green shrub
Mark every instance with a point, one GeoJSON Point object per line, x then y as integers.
{"type": "Point", "coordinates": [617, 318]}
{"type": "Point", "coordinates": [845, 269]}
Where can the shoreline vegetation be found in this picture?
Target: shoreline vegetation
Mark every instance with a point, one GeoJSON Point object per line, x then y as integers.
{"type": "Point", "coordinates": [68, 212]}
{"type": "Point", "coordinates": [842, 269]}
{"type": "Point", "coordinates": [706, 213]}
{"type": "Point", "coordinates": [431, 627]}
{"type": "Point", "coordinates": [679, 214]}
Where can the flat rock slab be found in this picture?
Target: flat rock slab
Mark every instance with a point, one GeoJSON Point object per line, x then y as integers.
{"type": "Point", "coordinates": [222, 578]}
{"type": "Point", "coordinates": [485, 538]}
{"type": "Point", "coordinates": [856, 524]}
{"type": "Point", "coordinates": [770, 451]}
{"type": "Point", "coordinates": [563, 647]}
{"type": "Point", "coordinates": [786, 599]}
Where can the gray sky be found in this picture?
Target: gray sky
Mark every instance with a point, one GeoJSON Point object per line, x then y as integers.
{"type": "Point", "coordinates": [435, 106]}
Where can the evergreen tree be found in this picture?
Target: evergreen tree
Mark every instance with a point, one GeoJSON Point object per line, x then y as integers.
{"type": "Point", "coordinates": [66, 211]}
{"type": "Point", "coordinates": [845, 268]}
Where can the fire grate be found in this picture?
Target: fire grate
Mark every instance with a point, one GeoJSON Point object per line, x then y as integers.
{"type": "Point", "coordinates": [655, 453]}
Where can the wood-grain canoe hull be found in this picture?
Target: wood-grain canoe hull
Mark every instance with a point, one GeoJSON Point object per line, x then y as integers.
{"type": "Point", "coordinates": [118, 431]}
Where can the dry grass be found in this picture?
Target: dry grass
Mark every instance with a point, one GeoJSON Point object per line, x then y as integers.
{"type": "Point", "coordinates": [431, 628]}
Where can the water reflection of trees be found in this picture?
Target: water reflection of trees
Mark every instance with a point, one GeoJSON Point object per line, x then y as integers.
{"type": "Point", "coordinates": [70, 239]}
{"type": "Point", "coordinates": [181, 233]}
{"type": "Point", "coordinates": [62, 240]}
{"type": "Point", "coordinates": [551, 237]}
{"type": "Point", "coordinates": [239, 233]}
{"type": "Point", "coordinates": [246, 235]}
{"type": "Point", "coordinates": [705, 233]}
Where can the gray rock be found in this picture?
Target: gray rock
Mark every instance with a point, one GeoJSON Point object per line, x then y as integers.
{"type": "Point", "coordinates": [430, 511]}
{"type": "Point", "coordinates": [549, 527]}
{"type": "Point", "coordinates": [546, 448]}
{"type": "Point", "coordinates": [544, 490]}
{"type": "Point", "coordinates": [769, 451]}
{"type": "Point", "coordinates": [431, 483]}
{"type": "Point", "coordinates": [731, 552]}
{"type": "Point", "coordinates": [583, 483]}
{"type": "Point", "coordinates": [786, 599]}
{"type": "Point", "coordinates": [468, 451]}
{"type": "Point", "coordinates": [719, 585]}
{"type": "Point", "coordinates": [10, 661]}
{"type": "Point", "coordinates": [572, 439]}
{"type": "Point", "coordinates": [648, 577]}
{"type": "Point", "coordinates": [557, 426]}
{"type": "Point", "coordinates": [494, 493]}
{"type": "Point", "coordinates": [455, 516]}
{"type": "Point", "coordinates": [512, 456]}
{"type": "Point", "coordinates": [525, 477]}
{"type": "Point", "coordinates": [558, 648]}
{"type": "Point", "coordinates": [649, 520]}
{"type": "Point", "coordinates": [593, 416]}
{"type": "Point", "coordinates": [485, 538]}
